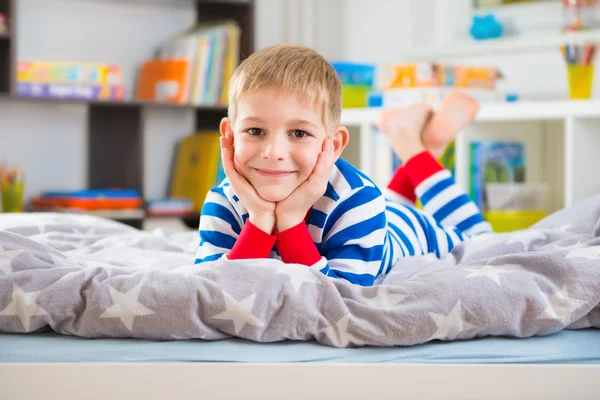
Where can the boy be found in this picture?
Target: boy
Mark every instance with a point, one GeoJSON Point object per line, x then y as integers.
{"type": "Point", "coordinates": [287, 188]}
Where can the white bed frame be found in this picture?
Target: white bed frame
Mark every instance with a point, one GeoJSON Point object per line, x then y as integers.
{"type": "Point", "coordinates": [107, 381]}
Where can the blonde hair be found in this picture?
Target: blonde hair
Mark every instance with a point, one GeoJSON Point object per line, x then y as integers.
{"type": "Point", "coordinates": [294, 69]}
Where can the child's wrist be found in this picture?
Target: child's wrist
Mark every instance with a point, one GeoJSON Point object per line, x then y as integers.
{"type": "Point", "coordinates": [264, 222]}
{"type": "Point", "coordinates": [286, 222]}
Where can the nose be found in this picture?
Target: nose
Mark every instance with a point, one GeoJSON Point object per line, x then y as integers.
{"type": "Point", "coordinates": [275, 148]}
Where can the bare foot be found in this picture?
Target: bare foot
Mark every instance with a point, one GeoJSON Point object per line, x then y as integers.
{"type": "Point", "coordinates": [403, 127]}
{"type": "Point", "coordinates": [456, 111]}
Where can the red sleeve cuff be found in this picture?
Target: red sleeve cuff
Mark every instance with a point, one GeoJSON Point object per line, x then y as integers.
{"type": "Point", "coordinates": [421, 167]}
{"type": "Point", "coordinates": [402, 185]}
{"type": "Point", "coordinates": [253, 242]}
{"type": "Point", "coordinates": [296, 246]}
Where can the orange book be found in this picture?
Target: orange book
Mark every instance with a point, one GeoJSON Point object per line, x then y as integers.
{"type": "Point", "coordinates": [163, 81]}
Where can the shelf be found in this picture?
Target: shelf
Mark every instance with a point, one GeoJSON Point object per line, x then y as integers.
{"type": "Point", "coordinates": [526, 43]}
{"type": "Point", "coordinates": [519, 111]}
{"type": "Point", "coordinates": [127, 103]}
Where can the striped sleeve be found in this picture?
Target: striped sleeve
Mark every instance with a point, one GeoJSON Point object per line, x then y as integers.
{"type": "Point", "coordinates": [220, 226]}
{"type": "Point", "coordinates": [354, 236]}
{"type": "Point", "coordinates": [443, 199]}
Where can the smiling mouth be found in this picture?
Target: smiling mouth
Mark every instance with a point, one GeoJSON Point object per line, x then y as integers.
{"type": "Point", "coordinates": [273, 173]}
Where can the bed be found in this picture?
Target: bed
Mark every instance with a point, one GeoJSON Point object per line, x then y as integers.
{"type": "Point", "coordinates": [92, 307]}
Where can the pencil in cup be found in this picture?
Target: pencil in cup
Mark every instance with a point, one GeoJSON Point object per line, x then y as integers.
{"type": "Point", "coordinates": [11, 183]}
{"type": "Point", "coordinates": [580, 69]}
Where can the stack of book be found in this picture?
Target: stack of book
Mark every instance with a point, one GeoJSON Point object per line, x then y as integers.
{"type": "Point", "coordinates": [69, 80]}
{"type": "Point", "coordinates": [192, 68]}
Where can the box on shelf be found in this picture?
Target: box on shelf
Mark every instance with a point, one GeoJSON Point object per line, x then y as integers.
{"type": "Point", "coordinates": [69, 80]}
{"type": "Point", "coordinates": [357, 81]}
{"type": "Point", "coordinates": [351, 73]}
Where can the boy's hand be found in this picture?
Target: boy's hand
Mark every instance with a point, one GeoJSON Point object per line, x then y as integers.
{"type": "Point", "coordinates": [261, 212]}
{"type": "Point", "coordinates": [291, 211]}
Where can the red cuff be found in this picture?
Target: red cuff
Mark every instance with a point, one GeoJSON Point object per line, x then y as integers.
{"type": "Point", "coordinates": [402, 185]}
{"type": "Point", "coordinates": [421, 167]}
{"type": "Point", "coordinates": [253, 242]}
{"type": "Point", "coordinates": [296, 246]}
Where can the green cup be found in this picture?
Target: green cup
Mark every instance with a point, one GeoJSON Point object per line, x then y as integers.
{"type": "Point", "coordinates": [12, 197]}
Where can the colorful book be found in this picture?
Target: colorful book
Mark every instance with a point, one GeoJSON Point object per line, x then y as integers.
{"type": "Point", "coordinates": [494, 162]}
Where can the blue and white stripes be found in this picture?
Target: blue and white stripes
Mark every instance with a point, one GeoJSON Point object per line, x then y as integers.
{"type": "Point", "coordinates": [360, 232]}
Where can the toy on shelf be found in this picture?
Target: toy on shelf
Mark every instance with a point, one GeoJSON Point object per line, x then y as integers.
{"type": "Point", "coordinates": [486, 27]}
{"type": "Point", "coordinates": [69, 80]}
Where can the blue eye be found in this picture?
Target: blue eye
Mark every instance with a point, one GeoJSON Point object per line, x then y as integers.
{"type": "Point", "coordinates": [300, 134]}
{"type": "Point", "coordinates": [255, 131]}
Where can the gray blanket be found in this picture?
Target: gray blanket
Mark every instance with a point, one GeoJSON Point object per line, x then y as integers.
{"type": "Point", "coordinates": [90, 277]}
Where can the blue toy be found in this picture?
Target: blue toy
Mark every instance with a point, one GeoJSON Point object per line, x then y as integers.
{"type": "Point", "coordinates": [486, 27]}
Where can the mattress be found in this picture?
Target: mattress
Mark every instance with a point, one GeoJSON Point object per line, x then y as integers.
{"type": "Point", "coordinates": [565, 347]}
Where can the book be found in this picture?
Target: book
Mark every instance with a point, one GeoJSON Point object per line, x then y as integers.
{"type": "Point", "coordinates": [494, 162]}
{"type": "Point", "coordinates": [211, 53]}
{"type": "Point", "coordinates": [197, 167]}
{"type": "Point", "coordinates": [163, 81]}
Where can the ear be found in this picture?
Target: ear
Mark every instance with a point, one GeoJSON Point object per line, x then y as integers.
{"type": "Point", "coordinates": [225, 127]}
{"type": "Point", "coordinates": [340, 140]}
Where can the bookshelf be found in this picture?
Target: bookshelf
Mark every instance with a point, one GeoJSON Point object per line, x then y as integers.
{"type": "Point", "coordinates": [561, 139]}
{"type": "Point", "coordinates": [115, 129]}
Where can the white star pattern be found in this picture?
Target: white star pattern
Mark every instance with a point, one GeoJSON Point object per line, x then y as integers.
{"type": "Point", "coordinates": [590, 253]}
{"type": "Point", "coordinates": [126, 306]}
{"type": "Point", "coordinates": [6, 258]}
{"type": "Point", "coordinates": [239, 312]}
{"type": "Point", "coordinates": [338, 333]}
{"type": "Point", "coordinates": [451, 325]}
{"type": "Point", "coordinates": [564, 228]}
{"type": "Point", "coordinates": [24, 306]}
{"type": "Point", "coordinates": [489, 272]}
{"type": "Point", "coordinates": [560, 306]}
{"type": "Point", "coordinates": [298, 275]}
{"type": "Point", "coordinates": [384, 298]}
{"type": "Point", "coordinates": [525, 238]}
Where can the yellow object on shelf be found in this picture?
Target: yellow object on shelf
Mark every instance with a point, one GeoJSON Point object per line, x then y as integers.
{"type": "Point", "coordinates": [355, 96]}
{"type": "Point", "coordinates": [581, 81]}
{"type": "Point", "coordinates": [508, 221]}
{"type": "Point", "coordinates": [12, 197]}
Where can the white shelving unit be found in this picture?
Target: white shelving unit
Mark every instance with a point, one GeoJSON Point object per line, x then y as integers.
{"type": "Point", "coordinates": [562, 140]}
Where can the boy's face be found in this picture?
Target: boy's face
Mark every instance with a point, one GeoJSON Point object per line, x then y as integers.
{"type": "Point", "coordinates": [277, 140]}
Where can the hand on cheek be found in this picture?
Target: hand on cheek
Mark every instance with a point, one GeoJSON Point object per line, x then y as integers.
{"type": "Point", "coordinates": [291, 211]}
{"type": "Point", "coordinates": [261, 212]}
